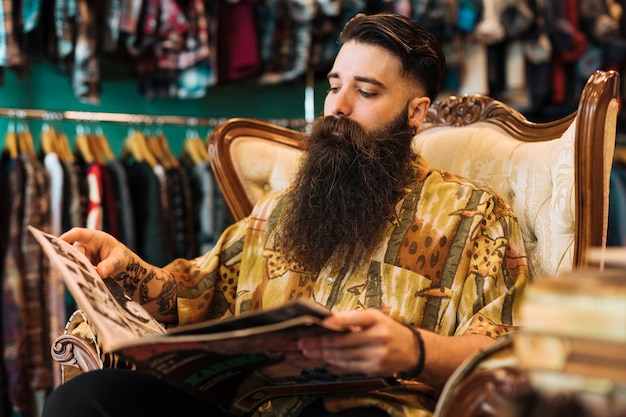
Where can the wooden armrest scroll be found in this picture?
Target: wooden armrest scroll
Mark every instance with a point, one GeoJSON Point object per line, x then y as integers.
{"type": "Point", "coordinates": [71, 350]}
{"type": "Point", "coordinates": [488, 393]}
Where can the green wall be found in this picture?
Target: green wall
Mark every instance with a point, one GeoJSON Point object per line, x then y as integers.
{"type": "Point", "coordinates": [45, 88]}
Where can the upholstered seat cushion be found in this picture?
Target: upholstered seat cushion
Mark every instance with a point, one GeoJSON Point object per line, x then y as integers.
{"type": "Point", "coordinates": [536, 178]}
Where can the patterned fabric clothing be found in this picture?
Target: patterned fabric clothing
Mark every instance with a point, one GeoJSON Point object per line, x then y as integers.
{"type": "Point", "coordinates": [25, 336]}
{"type": "Point", "coordinates": [64, 15]}
{"type": "Point", "coordinates": [451, 261]}
{"type": "Point", "coordinates": [35, 272]}
{"type": "Point", "coordinates": [181, 34]}
{"type": "Point", "coordinates": [10, 53]}
{"type": "Point", "coordinates": [14, 340]}
{"type": "Point", "coordinates": [94, 203]}
{"type": "Point", "coordinates": [86, 71]}
{"type": "Point", "coordinates": [30, 14]}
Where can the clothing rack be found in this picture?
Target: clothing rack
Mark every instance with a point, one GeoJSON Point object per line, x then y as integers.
{"type": "Point", "coordinates": [138, 119]}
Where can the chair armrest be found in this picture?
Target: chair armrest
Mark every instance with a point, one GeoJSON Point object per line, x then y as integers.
{"type": "Point", "coordinates": [72, 350]}
{"type": "Point", "coordinates": [487, 385]}
{"type": "Point", "coordinates": [76, 350]}
{"type": "Point", "coordinates": [488, 393]}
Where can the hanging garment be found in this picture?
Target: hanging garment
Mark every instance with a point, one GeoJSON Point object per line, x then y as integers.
{"type": "Point", "coordinates": [11, 54]}
{"type": "Point", "coordinates": [86, 68]}
{"type": "Point", "coordinates": [110, 204]}
{"type": "Point", "coordinates": [153, 239]}
{"type": "Point", "coordinates": [238, 52]}
{"type": "Point", "coordinates": [65, 28]}
{"type": "Point", "coordinates": [569, 45]}
{"type": "Point", "coordinates": [15, 348]}
{"type": "Point", "coordinates": [119, 181]}
{"type": "Point", "coordinates": [25, 318]}
{"type": "Point", "coordinates": [55, 289]}
{"type": "Point", "coordinates": [95, 219]}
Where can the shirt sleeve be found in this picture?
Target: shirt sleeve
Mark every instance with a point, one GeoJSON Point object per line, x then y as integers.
{"type": "Point", "coordinates": [207, 285]}
{"type": "Point", "coordinates": [497, 273]}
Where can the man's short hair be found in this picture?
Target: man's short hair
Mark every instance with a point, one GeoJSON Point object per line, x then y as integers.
{"type": "Point", "coordinates": [419, 52]}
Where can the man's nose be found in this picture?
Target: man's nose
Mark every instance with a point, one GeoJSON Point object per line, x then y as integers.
{"type": "Point", "coordinates": [340, 104]}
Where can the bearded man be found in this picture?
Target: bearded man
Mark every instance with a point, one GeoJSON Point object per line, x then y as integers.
{"type": "Point", "coordinates": [424, 267]}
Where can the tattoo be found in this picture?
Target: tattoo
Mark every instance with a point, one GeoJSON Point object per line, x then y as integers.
{"type": "Point", "coordinates": [167, 299]}
{"type": "Point", "coordinates": [116, 263]}
{"type": "Point", "coordinates": [143, 291]}
{"type": "Point", "coordinates": [130, 278]}
{"type": "Point", "coordinates": [140, 282]}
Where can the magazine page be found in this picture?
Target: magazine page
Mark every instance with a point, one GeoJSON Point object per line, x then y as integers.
{"type": "Point", "coordinates": [236, 364]}
{"type": "Point", "coordinates": [240, 369]}
{"type": "Point", "coordinates": [115, 316]}
{"type": "Point", "coordinates": [298, 308]}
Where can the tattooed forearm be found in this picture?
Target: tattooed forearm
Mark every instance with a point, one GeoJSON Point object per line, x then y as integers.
{"type": "Point", "coordinates": [152, 287]}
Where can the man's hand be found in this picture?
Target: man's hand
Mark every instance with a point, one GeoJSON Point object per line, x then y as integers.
{"type": "Point", "coordinates": [104, 251]}
{"type": "Point", "coordinates": [377, 345]}
{"type": "Point", "coordinates": [154, 288]}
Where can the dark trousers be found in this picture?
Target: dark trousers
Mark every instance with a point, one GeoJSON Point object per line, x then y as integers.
{"type": "Point", "coordinates": [121, 393]}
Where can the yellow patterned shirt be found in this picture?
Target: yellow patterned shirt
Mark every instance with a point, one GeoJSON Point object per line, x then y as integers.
{"type": "Point", "coordinates": [452, 261]}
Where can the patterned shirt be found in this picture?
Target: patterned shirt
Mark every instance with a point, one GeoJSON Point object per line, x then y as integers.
{"type": "Point", "coordinates": [452, 261]}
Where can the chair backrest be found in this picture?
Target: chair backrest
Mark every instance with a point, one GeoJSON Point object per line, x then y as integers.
{"type": "Point", "coordinates": [554, 174]}
{"type": "Point", "coordinates": [251, 158]}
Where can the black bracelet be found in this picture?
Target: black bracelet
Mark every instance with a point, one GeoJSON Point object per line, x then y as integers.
{"type": "Point", "coordinates": [419, 367]}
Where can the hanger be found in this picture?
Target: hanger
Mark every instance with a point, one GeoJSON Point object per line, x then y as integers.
{"type": "Point", "coordinates": [63, 147]}
{"type": "Point", "coordinates": [24, 137]}
{"type": "Point", "coordinates": [194, 147]}
{"type": "Point", "coordinates": [48, 136]}
{"type": "Point", "coordinates": [83, 147]}
{"type": "Point", "coordinates": [53, 139]}
{"type": "Point", "coordinates": [153, 145]}
{"type": "Point", "coordinates": [10, 139]}
{"type": "Point", "coordinates": [102, 144]}
{"type": "Point", "coordinates": [135, 146]}
{"type": "Point", "coordinates": [164, 148]}
{"type": "Point", "coordinates": [48, 140]}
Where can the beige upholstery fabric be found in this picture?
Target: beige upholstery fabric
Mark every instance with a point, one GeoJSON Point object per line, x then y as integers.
{"type": "Point", "coordinates": [273, 168]}
{"type": "Point", "coordinates": [536, 178]}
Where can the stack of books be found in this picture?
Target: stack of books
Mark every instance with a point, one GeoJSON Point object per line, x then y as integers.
{"type": "Point", "coordinates": [574, 325]}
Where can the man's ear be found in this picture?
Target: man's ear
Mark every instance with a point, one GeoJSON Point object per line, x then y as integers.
{"type": "Point", "coordinates": [418, 108]}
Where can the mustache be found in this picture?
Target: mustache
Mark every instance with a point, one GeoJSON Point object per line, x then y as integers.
{"type": "Point", "coordinates": [344, 134]}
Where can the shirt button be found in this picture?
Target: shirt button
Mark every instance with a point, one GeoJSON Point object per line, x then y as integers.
{"type": "Point", "coordinates": [330, 280]}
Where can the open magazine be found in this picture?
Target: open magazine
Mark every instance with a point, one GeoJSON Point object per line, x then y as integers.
{"type": "Point", "coordinates": [236, 363]}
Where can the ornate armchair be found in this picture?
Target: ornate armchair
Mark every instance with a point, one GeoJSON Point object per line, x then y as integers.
{"type": "Point", "coordinates": [554, 174]}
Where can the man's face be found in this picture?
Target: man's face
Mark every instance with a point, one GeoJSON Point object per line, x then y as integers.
{"type": "Point", "coordinates": [357, 160]}
{"type": "Point", "coordinates": [368, 87]}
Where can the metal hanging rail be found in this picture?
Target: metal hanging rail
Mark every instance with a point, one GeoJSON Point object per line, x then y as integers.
{"type": "Point", "coordinates": [127, 118]}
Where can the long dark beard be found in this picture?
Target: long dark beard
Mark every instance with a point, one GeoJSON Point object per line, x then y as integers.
{"type": "Point", "coordinates": [345, 191]}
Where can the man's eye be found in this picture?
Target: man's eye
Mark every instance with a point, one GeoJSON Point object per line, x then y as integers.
{"type": "Point", "coordinates": [333, 89]}
{"type": "Point", "coordinates": [367, 94]}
